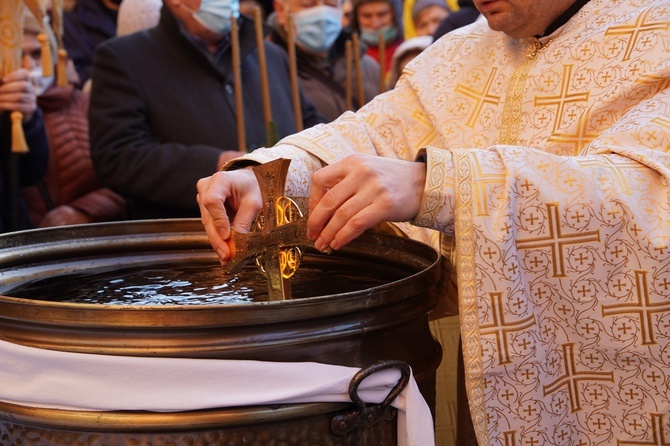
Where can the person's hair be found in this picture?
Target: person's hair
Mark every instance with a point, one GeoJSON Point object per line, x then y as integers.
{"type": "Point", "coordinates": [395, 10]}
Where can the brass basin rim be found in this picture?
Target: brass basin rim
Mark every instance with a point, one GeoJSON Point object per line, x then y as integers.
{"type": "Point", "coordinates": [142, 421]}
{"type": "Point", "coordinates": [425, 261]}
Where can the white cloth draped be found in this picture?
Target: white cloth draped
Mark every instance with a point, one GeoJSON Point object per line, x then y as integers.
{"type": "Point", "coordinates": [91, 382]}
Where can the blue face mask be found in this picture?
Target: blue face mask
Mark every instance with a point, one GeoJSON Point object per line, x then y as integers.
{"type": "Point", "coordinates": [215, 15]}
{"type": "Point", "coordinates": [371, 36]}
{"type": "Point", "coordinates": [317, 28]}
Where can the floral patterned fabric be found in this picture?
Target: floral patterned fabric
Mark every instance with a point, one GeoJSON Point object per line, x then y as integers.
{"type": "Point", "coordinates": [548, 169]}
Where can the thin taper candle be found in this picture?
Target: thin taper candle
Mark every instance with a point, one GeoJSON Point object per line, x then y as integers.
{"type": "Point", "coordinates": [262, 63]}
{"type": "Point", "coordinates": [381, 46]}
{"type": "Point", "coordinates": [357, 70]}
{"type": "Point", "coordinates": [347, 82]}
{"type": "Point", "coordinates": [293, 66]}
{"type": "Point", "coordinates": [237, 79]}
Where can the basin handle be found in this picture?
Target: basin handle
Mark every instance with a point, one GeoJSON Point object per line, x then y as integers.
{"type": "Point", "coordinates": [365, 416]}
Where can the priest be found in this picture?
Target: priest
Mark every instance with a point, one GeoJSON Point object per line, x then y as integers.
{"type": "Point", "coordinates": [535, 145]}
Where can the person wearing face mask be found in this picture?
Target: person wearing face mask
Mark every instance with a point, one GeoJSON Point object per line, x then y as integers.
{"type": "Point", "coordinates": [87, 24]}
{"type": "Point", "coordinates": [374, 18]}
{"type": "Point", "coordinates": [69, 192]}
{"type": "Point", "coordinates": [320, 49]}
{"type": "Point", "coordinates": [163, 105]}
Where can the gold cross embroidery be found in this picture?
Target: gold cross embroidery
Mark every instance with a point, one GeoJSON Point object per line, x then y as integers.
{"type": "Point", "coordinates": [563, 98]}
{"type": "Point", "coordinates": [665, 123]}
{"type": "Point", "coordinates": [580, 139]}
{"type": "Point", "coordinates": [502, 328]}
{"type": "Point", "coordinates": [556, 240]}
{"type": "Point", "coordinates": [456, 52]}
{"type": "Point", "coordinates": [481, 180]}
{"type": "Point", "coordinates": [643, 308]}
{"type": "Point", "coordinates": [571, 378]}
{"type": "Point", "coordinates": [658, 435]}
{"type": "Point", "coordinates": [616, 168]}
{"type": "Point", "coordinates": [423, 119]}
{"type": "Point", "coordinates": [635, 30]}
{"type": "Point", "coordinates": [481, 97]}
{"type": "Point", "coordinates": [510, 438]}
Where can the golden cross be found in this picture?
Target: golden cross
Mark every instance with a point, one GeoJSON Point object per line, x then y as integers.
{"type": "Point", "coordinates": [643, 307]}
{"type": "Point", "coordinates": [481, 180]}
{"type": "Point", "coordinates": [281, 230]}
{"type": "Point", "coordinates": [634, 31]}
{"type": "Point", "coordinates": [617, 169]}
{"type": "Point", "coordinates": [501, 328]}
{"type": "Point", "coordinates": [563, 98]}
{"type": "Point", "coordinates": [580, 139]}
{"type": "Point", "coordinates": [481, 97]}
{"type": "Point", "coordinates": [556, 240]}
{"type": "Point", "coordinates": [571, 377]}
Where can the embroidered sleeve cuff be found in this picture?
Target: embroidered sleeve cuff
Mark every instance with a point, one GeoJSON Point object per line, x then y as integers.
{"type": "Point", "coordinates": [437, 204]}
{"type": "Point", "coordinates": [298, 179]}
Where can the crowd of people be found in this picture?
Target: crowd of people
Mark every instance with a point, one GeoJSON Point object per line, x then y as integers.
{"type": "Point", "coordinates": [152, 83]}
{"type": "Point", "coordinates": [526, 140]}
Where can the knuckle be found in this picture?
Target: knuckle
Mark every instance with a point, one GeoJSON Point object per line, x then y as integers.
{"type": "Point", "coordinates": [330, 199]}
{"type": "Point", "coordinates": [209, 200]}
{"type": "Point", "coordinates": [357, 224]}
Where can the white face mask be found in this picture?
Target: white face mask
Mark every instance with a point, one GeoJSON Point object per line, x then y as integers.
{"type": "Point", "coordinates": [40, 82]}
{"type": "Point", "coordinates": [318, 27]}
{"type": "Point", "coordinates": [215, 15]}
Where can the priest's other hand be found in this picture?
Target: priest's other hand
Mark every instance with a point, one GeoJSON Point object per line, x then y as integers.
{"type": "Point", "coordinates": [228, 200]}
{"type": "Point", "coordinates": [18, 94]}
{"type": "Point", "coordinates": [356, 193]}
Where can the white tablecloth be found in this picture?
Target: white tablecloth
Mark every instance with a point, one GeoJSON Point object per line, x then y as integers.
{"type": "Point", "coordinates": [79, 381]}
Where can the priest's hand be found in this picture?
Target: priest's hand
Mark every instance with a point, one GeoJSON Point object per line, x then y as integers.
{"type": "Point", "coordinates": [354, 194]}
{"type": "Point", "coordinates": [18, 94]}
{"type": "Point", "coordinates": [228, 200]}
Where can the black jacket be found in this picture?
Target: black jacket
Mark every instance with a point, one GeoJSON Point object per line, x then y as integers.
{"type": "Point", "coordinates": [20, 169]}
{"type": "Point", "coordinates": [88, 24]}
{"type": "Point", "coordinates": [161, 113]}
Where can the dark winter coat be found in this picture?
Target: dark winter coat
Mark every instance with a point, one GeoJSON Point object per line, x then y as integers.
{"type": "Point", "coordinates": [20, 169]}
{"type": "Point", "coordinates": [162, 111]}
{"type": "Point", "coordinates": [87, 25]}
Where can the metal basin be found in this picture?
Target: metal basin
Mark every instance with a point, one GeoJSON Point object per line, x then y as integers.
{"type": "Point", "coordinates": [356, 327]}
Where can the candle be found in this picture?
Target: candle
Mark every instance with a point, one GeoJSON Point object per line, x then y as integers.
{"type": "Point", "coordinates": [359, 75]}
{"type": "Point", "coordinates": [237, 79]}
{"type": "Point", "coordinates": [381, 46]}
{"type": "Point", "coordinates": [347, 83]}
{"type": "Point", "coordinates": [293, 66]}
{"type": "Point", "coordinates": [265, 87]}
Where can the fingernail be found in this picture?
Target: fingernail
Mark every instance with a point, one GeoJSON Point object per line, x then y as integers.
{"type": "Point", "coordinates": [309, 234]}
{"type": "Point", "coordinates": [221, 254]}
{"type": "Point", "coordinates": [320, 244]}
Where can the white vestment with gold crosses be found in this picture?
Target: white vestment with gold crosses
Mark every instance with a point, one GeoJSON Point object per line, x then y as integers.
{"type": "Point", "coordinates": [548, 166]}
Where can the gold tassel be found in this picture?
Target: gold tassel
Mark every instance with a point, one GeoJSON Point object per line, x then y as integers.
{"type": "Point", "coordinates": [61, 68]}
{"type": "Point", "coordinates": [47, 59]}
{"type": "Point", "coordinates": [19, 144]}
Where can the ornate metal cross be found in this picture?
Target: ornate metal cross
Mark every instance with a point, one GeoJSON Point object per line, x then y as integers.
{"type": "Point", "coordinates": [280, 231]}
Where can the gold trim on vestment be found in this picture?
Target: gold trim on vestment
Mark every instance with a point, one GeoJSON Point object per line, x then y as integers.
{"type": "Point", "coordinates": [467, 286]}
